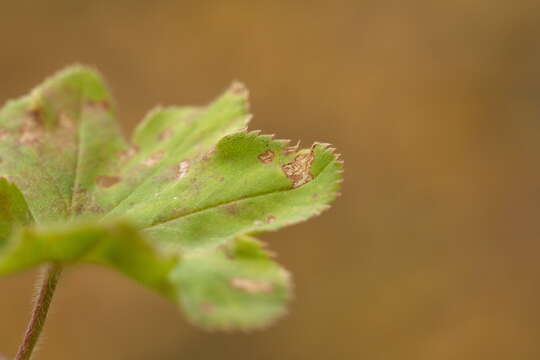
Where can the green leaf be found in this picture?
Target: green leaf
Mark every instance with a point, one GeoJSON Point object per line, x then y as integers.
{"type": "Point", "coordinates": [55, 139]}
{"type": "Point", "coordinates": [13, 210]}
{"type": "Point", "coordinates": [171, 208]}
{"type": "Point", "coordinates": [116, 244]}
{"type": "Point", "coordinates": [233, 287]}
{"type": "Point", "coordinates": [231, 191]}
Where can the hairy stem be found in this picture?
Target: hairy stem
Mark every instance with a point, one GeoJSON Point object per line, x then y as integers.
{"type": "Point", "coordinates": [46, 287]}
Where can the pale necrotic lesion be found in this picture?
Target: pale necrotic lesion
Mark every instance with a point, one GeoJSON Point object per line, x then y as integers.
{"type": "Point", "coordinates": [154, 158]}
{"type": "Point", "coordinates": [182, 170]}
{"type": "Point", "coordinates": [165, 134]}
{"type": "Point", "coordinates": [299, 170]}
{"type": "Point", "coordinates": [267, 156]}
{"type": "Point", "coordinates": [108, 181]}
{"type": "Point", "coordinates": [32, 128]}
{"type": "Point", "coordinates": [252, 286]}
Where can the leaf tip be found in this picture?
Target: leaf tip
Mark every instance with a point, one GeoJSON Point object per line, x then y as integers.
{"type": "Point", "coordinates": [238, 88]}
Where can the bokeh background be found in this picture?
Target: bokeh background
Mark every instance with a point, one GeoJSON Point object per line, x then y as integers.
{"type": "Point", "coordinates": [431, 252]}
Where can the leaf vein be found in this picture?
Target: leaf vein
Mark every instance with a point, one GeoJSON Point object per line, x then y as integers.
{"type": "Point", "coordinates": [225, 203]}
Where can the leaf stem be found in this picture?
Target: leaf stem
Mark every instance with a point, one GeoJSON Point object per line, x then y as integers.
{"type": "Point", "coordinates": [46, 287]}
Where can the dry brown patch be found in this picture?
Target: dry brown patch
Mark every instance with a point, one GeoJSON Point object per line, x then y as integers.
{"type": "Point", "coordinates": [232, 209]}
{"type": "Point", "coordinates": [32, 128]}
{"type": "Point", "coordinates": [3, 134]}
{"type": "Point", "coordinates": [267, 156]}
{"type": "Point", "coordinates": [206, 308]}
{"type": "Point", "coordinates": [65, 121]}
{"type": "Point", "coordinates": [238, 88]}
{"type": "Point", "coordinates": [107, 181]}
{"type": "Point", "coordinates": [182, 170]}
{"type": "Point", "coordinates": [165, 134]}
{"type": "Point", "coordinates": [298, 170]}
{"type": "Point", "coordinates": [252, 286]}
{"type": "Point", "coordinates": [129, 153]}
{"type": "Point", "coordinates": [154, 158]}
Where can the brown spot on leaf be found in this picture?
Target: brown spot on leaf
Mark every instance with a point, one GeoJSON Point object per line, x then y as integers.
{"type": "Point", "coordinates": [79, 209]}
{"type": "Point", "coordinates": [36, 115]}
{"type": "Point", "coordinates": [267, 156]}
{"type": "Point", "coordinates": [232, 209]}
{"type": "Point", "coordinates": [65, 121]}
{"type": "Point", "coordinates": [3, 134]}
{"type": "Point", "coordinates": [183, 169]}
{"type": "Point", "coordinates": [208, 155]}
{"type": "Point", "coordinates": [206, 308]}
{"type": "Point", "coordinates": [107, 181]}
{"type": "Point", "coordinates": [298, 170]}
{"type": "Point", "coordinates": [32, 128]}
{"type": "Point", "coordinates": [154, 158]}
{"type": "Point", "coordinates": [252, 286]}
{"type": "Point", "coordinates": [96, 209]}
{"type": "Point", "coordinates": [129, 153]}
{"type": "Point", "coordinates": [238, 88]}
{"type": "Point", "coordinates": [165, 134]}
{"type": "Point", "coordinates": [229, 253]}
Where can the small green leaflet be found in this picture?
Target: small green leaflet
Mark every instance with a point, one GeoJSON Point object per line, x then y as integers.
{"type": "Point", "coordinates": [173, 208]}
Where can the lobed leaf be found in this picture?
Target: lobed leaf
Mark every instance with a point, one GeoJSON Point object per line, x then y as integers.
{"type": "Point", "coordinates": [171, 208]}
{"type": "Point", "coordinates": [237, 286]}
{"type": "Point", "coordinates": [54, 139]}
{"type": "Point", "coordinates": [165, 138]}
{"type": "Point", "coordinates": [233, 191]}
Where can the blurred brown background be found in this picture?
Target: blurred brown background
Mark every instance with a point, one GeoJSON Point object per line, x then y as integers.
{"type": "Point", "coordinates": [431, 252]}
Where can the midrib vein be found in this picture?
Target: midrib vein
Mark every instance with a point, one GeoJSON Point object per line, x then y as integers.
{"type": "Point", "coordinates": [76, 170]}
{"type": "Point", "coordinates": [224, 203]}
